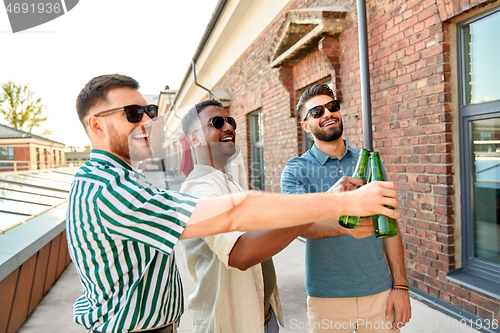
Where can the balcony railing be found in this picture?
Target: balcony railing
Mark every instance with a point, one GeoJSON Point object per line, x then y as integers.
{"type": "Point", "coordinates": [9, 166]}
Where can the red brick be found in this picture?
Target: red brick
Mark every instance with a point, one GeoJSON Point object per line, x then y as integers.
{"type": "Point", "coordinates": [444, 296]}
{"type": "Point", "coordinates": [456, 301]}
{"type": "Point", "coordinates": [422, 260]}
{"type": "Point", "coordinates": [458, 292]}
{"type": "Point", "coordinates": [484, 314]}
{"type": "Point", "coordinates": [483, 302]}
{"type": "Point", "coordinates": [471, 308]}
{"type": "Point", "coordinates": [423, 287]}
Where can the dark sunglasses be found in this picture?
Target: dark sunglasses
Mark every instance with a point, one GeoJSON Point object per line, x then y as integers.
{"type": "Point", "coordinates": [134, 113]}
{"type": "Point", "coordinates": [217, 122]}
{"type": "Point", "coordinates": [318, 111]}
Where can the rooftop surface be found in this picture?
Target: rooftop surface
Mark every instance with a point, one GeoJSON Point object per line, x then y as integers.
{"type": "Point", "coordinates": [25, 195]}
{"type": "Point", "coordinates": [290, 275]}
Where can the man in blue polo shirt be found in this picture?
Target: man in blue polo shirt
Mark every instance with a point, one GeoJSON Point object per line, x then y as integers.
{"type": "Point", "coordinates": [347, 280]}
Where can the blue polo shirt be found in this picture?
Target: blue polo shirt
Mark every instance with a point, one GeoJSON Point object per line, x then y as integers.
{"type": "Point", "coordinates": [338, 266]}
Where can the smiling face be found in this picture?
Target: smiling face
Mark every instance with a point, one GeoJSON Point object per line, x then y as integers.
{"type": "Point", "coordinates": [329, 126]}
{"type": "Point", "coordinates": [114, 133]}
{"type": "Point", "coordinates": [221, 142]}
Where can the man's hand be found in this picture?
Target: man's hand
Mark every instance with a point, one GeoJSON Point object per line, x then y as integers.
{"type": "Point", "coordinates": [372, 198]}
{"type": "Point", "coordinates": [399, 300]}
{"type": "Point", "coordinates": [346, 184]}
{"type": "Point", "coordinates": [364, 228]}
{"type": "Point", "coordinates": [369, 198]}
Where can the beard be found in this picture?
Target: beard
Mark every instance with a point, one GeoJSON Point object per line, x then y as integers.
{"type": "Point", "coordinates": [119, 143]}
{"type": "Point", "coordinates": [330, 134]}
{"type": "Point", "coordinates": [124, 146]}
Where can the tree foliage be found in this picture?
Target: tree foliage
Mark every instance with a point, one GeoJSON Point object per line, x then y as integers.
{"type": "Point", "coordinates": [20, 109]}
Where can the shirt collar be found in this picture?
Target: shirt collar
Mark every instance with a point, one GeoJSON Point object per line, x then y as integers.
{"type": "Point", "coordinates": [323, 157]}
{"type": "Point", "coordinates": [108, 158]}
{"type": "Point", "coordinates": [203, 168]}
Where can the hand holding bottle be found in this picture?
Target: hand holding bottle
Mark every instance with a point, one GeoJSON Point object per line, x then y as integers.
{"type": "Point", "coordinates": [351, 222]}
{"type": "Point", "coordinates": [364, 229]}
{"type": "Point", "coordinates": [373, 196]}
{"type": "Point", "coordinates": [345, 184]}
{"type": "Point", "coordinates": [373, 199]}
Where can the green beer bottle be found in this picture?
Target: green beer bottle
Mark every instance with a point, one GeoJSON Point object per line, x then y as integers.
{"type": "Point", "coordinates": [351, 222]}
{"type": "Point", "coordinates": [383, 226]}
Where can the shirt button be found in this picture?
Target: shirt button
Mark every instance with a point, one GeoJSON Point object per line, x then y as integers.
{"type": "Point", "coordinates": [340, 171]}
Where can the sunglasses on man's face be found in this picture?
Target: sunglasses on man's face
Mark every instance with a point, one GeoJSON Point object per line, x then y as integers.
{"type": "Point", "coordinates": [217, 122]}
{"type": "Point", "coordinates": [318, 111]}
{"type": "Point", "coordinates": [134, 113]}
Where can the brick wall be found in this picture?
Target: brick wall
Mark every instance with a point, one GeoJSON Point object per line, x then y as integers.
{"type": "Point", "coordinates": [409, 50]}
{"type": "Point", "coordinates": [22, 153]}
{"type": "Point", "coordinates": [411, 95]}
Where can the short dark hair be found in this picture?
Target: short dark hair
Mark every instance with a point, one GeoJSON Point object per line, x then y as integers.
{"type": "Point", "coordinates": [189, 120]}
{"type": "Point", "coordinates": [96, 90]}
{"type": "Point", "coordinates": [316, 90]}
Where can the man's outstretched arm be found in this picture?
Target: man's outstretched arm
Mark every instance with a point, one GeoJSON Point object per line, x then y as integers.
{"type": "Point", "coordinates": [254, 247]}
{"type": "Point", "coordinates": [264, 211]}
{"type": "Point", "coordinates": [331, 228]}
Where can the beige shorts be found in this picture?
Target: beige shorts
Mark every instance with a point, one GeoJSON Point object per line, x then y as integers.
{"type": "Point", "coordinates": [356, 314]}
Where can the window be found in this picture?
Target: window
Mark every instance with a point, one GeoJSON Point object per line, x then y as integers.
{"type": "Point", "coordinates": [6, 154]}
{"type": "Point", "coordinates": [479, 117]}
{"type": "Point", "coordinates": [38, 158]}
{"type": "Point", "coordinates": [257, 180]}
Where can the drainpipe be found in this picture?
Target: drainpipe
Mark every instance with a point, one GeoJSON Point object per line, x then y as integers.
{"type": "Point", "coordinates": [193, 67]}
{"type": "Point", "coordinates": [365, 76]}
{"type": "Point", "coordinates": [221, 5]}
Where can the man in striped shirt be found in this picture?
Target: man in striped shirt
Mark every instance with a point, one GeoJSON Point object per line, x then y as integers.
{"type": "Point", "coordinates": [121, 229]}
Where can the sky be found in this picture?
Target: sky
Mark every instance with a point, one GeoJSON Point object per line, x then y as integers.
{"type": "Point", "coordinates": [152, 41]}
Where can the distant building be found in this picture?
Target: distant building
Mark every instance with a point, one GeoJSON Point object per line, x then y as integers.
{"type": "Point", "coordinates": [151, 98]}
{"type": "Point", "coordinates": [75, 157]}
{"type": "Point", "coordinates": [165, 100]}
{"type": "Point", "coordinates": [21, 150]}
{"type": "Point", "coordinates": [172, 144]}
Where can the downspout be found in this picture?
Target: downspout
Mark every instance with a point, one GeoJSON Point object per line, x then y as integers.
{"type": "Point", "coordinates": [211, 25]}
{"type": "Point", "coordinates": [365, 76]}
{"type": "Point", "coordinates": [193, 69]}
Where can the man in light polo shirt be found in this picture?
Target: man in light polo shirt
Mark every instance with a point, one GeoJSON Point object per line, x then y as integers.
{"type": "Point", "coordinates": [121, 229]}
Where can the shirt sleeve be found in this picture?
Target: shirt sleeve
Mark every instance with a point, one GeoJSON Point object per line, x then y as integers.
{"type": "Point", "coordinates": [201, 188]}
{"type": "Point", "coordinates": [220, 244]}
{"type": "Point", "coordinates": [132, 209]}
{"type": "Point", "coordinates": [290, 181]}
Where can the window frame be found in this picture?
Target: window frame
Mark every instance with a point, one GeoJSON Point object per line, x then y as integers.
{"type": "Point", "coordinates": [257, 144]}
{"type": "Point", "coordinates": [37, 150]}
{"type": "Point", "coordinates": [10, 157]}
{"type": "Point", "coordinates": [467, 114]}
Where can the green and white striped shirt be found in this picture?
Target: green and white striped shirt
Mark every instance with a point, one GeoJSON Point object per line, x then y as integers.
{"type": "Point", "coordinates": [121, 231]}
